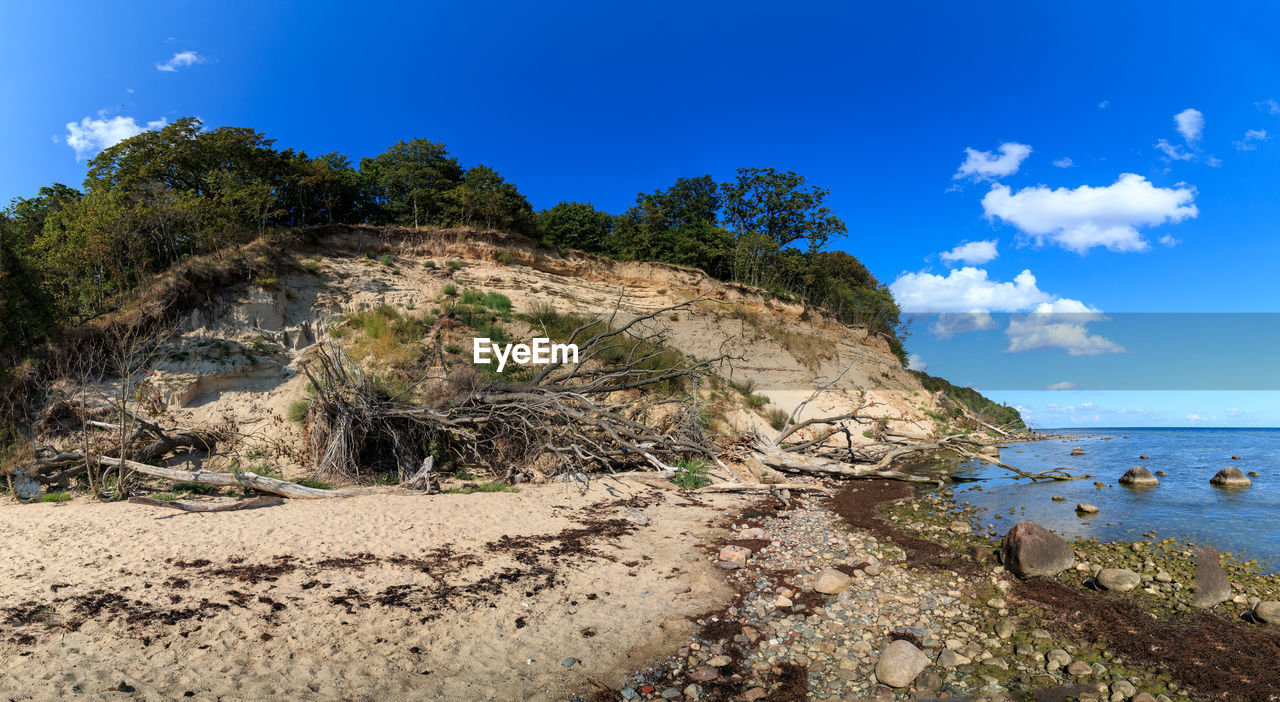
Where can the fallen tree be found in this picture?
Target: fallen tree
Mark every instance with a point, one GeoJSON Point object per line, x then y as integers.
{"type": "Point", "coordinates": [628, 399]}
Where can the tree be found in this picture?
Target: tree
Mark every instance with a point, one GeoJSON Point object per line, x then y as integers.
{"type": "Point", "coordinates": [677, 225]}
{"type": "Point", "coordinates": [407, 182]}
{"type": "Point", "coordinates": [769, 211]}
{"type": "Point", "coordinates": [576, 225]}
{"type": "Point", "coordinates": [485, 199]}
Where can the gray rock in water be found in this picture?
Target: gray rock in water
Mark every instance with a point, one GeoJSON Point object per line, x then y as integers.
{"type": "Point", "coordinates": [900, 662]}
{"type": "Point", "coordinates": [1254, 474]}
{"type": "Point", "coordinates": [1083, 508]}
{"type": "Point", "coordinates": [1118, 579]}
{"type": "Point", "coordinates": [1267, 611]}
{"type": "Point", "coordinates": [1231, 477]}
{"type": "Point", "coordinates": [1030, 550]}
{"type": "Point", "coordinates": [1138, 475]}
{"type": "Point", "coordinates": [1211, 585]}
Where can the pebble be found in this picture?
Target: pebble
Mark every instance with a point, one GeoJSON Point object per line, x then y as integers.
{"type": "Point", "coordinates": [569, 662]}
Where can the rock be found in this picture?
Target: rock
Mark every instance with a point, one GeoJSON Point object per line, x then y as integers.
{"type": "Point", "coordinates": [1231, 477]}
{"type": "Point", "coordinates": [1143, 697]}
{"type": "Point", "coordinates": [1267, 611]}
{"type": "Point", "coordinates": [782, 602]}
{"type": "Point", "coordinates": [929, 681]}
{"type": "Point", "coordinates": [900, 662]}
{"type": "Point", "coordinates": [980, 553]}
{"type": "Point", "coordinates": [1254, 474]}
{"type": "Point", "coordinates": [629, 693]}
{"type": "Point", "coordinates": [997, 603]}
{"type": "Point", "coordinates": [1056, 658]}
{"type": "Point", "coordinates": [754, 693]}
{"type": "Point", "coordinates": [1138, 475]}
{"type": "Point", "coordinates": [1030, 550]}
{"type": "Point", "coordinates": [119, 686]}
{"type": "Point", "coordinates": [1080, 669]}
{"type": "Point", "coordinates": [733, 557]}
{"type": "Point", "coordinates": [1058, 498]}
{"type": "Point", "coordinates": [1005, 628]}
{"type": "Point", "coordinates": [719, 661]}
{"type": "Point", "coordinates": [1083, 508]}
{"type": "Point", "coordinates": [831, 582]}
{"type": "Point", "coordinates": [951, 659]}
{"type": "Point", "coordinates": [1161, 473]}
{"type": "Point", "coordinates": [993, 451]}
{"type": "Point", "coordinates": [753, 533]}
{"type": "Point", "coordinates": [704, 674]}
{"type": "Point", "coordinates": [681, 589]}
{"type": "Point", "coordinates": [1024, 649]}
{"type": "Point", "coordinates": [1118, 579]}
{"type": "Point", "coordinates": [1163, 577]}
{"type": "Point", "coordinates": [1211, 585]}
{"type": "Point", "coordinates": [1077, 451]}
{"type": "Point", "coordinates": [25, 485]}
{"type": "Point", "coordinates": [1236, 458]}
{"type": "Point", "coordinates": [1124, 688]}
{"type": "Point", "coordinates": [671, 693]}
{"type": "Point", "coordinates": [961, 528]}
{"type": "Point", "coordinates": [569, 662]}
{"type": "Point", "coordinates": [638, 517]}
{"type": "Point", "coordinates": [693, 692]}
{"type": "Point", "coordinates": [1144, 458]}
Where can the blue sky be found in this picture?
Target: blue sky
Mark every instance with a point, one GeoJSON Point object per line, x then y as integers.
{"type": "Point", "coordinates": [597, 101]}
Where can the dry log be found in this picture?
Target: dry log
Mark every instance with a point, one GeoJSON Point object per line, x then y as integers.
{"type": "Point", "coordinates": [249, 480]}
{"type": "Point", "coordinates": [251, 503]}
{"type": "Point", "coordinates": [775, 457]}
{"type": "Point", "coordinates": [763, 487]}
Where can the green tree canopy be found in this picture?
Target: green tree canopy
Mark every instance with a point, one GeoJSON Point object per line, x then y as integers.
{"type": "Point", "coordinates": [407, 182]}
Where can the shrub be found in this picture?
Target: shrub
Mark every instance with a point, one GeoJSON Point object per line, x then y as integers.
{"type": "Point", "coordinates": [184, 487]}
{"type": "Point", "coordinates": [164, 497]}
{"type": "Point", "coordinates": [757, 402]}
{"type": "Point", "coordinates": [313, 267]}
{"type": "Point", "coordinates": [387, 260]}
{"type": "Point", "coordinates": [454, 265]}
{"type": "Point", "coordinates": [430, 264]}
{"type": "Point", "coordinates": [313, 483]}
{"type": "Point", "coordinates": [55, 497]}
{"type": "Point", "coordinates": [745, 386]}
{"type": "Point", "coordinates": [777, 418]}
{"type": "Point", "coordinates": [495, 486]}
{"type": "Point", "coordinates": [450, 289]}
{"type": "Point", "coordinates": [505, 257]}
{"type": "Point", "coordinates": [298, 411]}
{"type": "Point", "coordinates": [691, 474]}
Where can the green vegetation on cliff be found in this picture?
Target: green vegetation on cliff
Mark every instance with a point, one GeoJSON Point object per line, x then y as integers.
{"type": "Point", "coordinates": [973, 402]}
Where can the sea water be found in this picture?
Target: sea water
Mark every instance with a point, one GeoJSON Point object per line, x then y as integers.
{"type": "Point", "coordinates": [1245, 521]}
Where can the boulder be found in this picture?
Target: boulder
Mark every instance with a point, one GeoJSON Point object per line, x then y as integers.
{"type": "Point", "coordinates": [1030, 550]}
{"type": "Point", "coordinates": [900, 662]}
{"type": "Point", "coordinates": [755, 533]}
{"type": "Point", "coordinates": [951, 659]}
{"type": "Point", "coordinates": [1118, 579]}
{"type": "Point", "coordinates": [831, 582]}
{"type": "Point", "coordinates": [25, 485]}
{"type": "Point", "coordinates": [1138, 475]}
{"type": "Point", "coordinates": [1083, 508]}
{"type": "Point", "coordinates": [1254, 474]}
{"type": "Point", "coordinates": [961, 527]}
{"type": "Point", "coordinates": [1144, 458]}
{"type": "Point", "coordinates": [1231, 477]}
{"type": "Point", "coordinates": [993, 451]}
{"type": "Point", "coordinates": [1236, 458]}
{"type": "Point", "coordinates": [1211, 583]}
{"type": "Point", "coordinates": [733, 557]}
{"type": "Point", "coordinates": [1267, 612]}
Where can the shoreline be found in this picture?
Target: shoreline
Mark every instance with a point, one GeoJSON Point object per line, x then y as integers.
{"type": "Point", "coordinates": [997, 637]}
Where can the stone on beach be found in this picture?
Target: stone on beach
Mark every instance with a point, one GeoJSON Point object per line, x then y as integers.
{"type": "Point", "coordinates": [733, 557]}
{"type": "Point", "coordinates": [900, 662]}
{"type": "Point", "coordinates": [1231, 477]}
{"type": "Point", "coordinates": [1030, 550]}
{"type": "Point", "coordinates": [1086, 508]}
{"type": "Point", "coordinates": [831, 582]}
{"type": "Point", "coordinates": [1118, 579]}
{"type": "Point", "coordinates": [1211, 583]}
{"type": "Point", "coordinates": [1267, 612]}
{"type": "Point", "coordinates": [1139, 475]}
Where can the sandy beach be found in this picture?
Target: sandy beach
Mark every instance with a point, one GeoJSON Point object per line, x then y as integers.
{"type": "Point", "coordinates": [454, 597]}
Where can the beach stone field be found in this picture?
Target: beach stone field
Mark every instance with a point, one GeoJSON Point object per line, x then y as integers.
{"type": "Point", "coordinates": [882, 595]}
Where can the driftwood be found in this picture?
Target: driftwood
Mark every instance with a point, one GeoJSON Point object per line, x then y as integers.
{"type": "Point", "coordinates": [249, 480]}
{"type": "Point", "coordinates": [251, 503]}
{"type": "Point", "coordinates": [763, 487]}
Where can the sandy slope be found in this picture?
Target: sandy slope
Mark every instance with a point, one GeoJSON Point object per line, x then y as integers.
{"type": "Point", "coordinates": [459, 597]}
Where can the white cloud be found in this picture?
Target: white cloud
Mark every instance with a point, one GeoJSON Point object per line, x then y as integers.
{"type": "Point", "coordinates": [1170, 241]}
{"type": "Point", "coordinates": [1173, 152]}
{"type": "Point", "coordinates": [966, 290]}
{"type": "Point", "coordinates": [1269, 106]}
{"type": "Point", "coordinates": [182, 59]}
{"type": "Point", "coordinates": [1195, 418]}
{"type": "Point", "coordinates": [972, 252]}
{"type": "Point", "coordinates": [1251, 140]}
{"type": "Point", "coordinates": [1064, 385]}
{"type": "Point", "coordinates": [948, 324]}
{"type": "Point", "coordinates": [1064, 162]}
{"type": "Point", "coordinates": [1190, 125]}
{"type": "Point", "coordinates": [1103, 105]}
{"type": "Point", "coordinates": [985, 165]}
{"type": "Point", "coordinates": [89, 136]}
{"type": "Point", "coordinates": [1060, 324]}
{"type": "Point", "coordinates": [914, 362]}
{"type": "Point", "coordinates": [1082, 218]}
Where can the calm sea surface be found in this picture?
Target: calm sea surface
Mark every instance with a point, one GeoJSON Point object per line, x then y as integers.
{"type": "Point", "coordinates": [1245, 521]}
